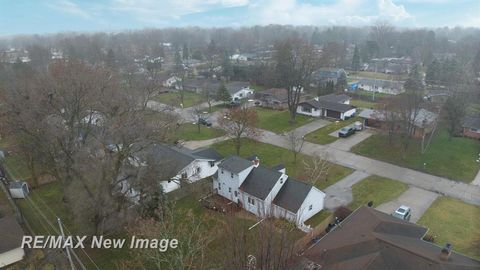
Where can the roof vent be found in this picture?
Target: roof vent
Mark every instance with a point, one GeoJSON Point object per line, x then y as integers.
{"type": "Point", "coordinates": [446, 252]}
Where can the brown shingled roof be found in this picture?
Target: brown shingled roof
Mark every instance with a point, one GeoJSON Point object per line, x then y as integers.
{"type": "Point", "coordinates": [371, 240]}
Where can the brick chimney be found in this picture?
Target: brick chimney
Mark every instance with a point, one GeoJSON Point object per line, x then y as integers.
{"type": "Point", "coordinates": [446, 252]}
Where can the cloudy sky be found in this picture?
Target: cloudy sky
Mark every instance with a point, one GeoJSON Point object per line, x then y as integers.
{"type": "Point", "coordinates": [48, 16]}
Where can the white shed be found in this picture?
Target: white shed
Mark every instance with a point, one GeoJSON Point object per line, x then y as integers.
{"type": "Point", "coordinates": [18, 189]}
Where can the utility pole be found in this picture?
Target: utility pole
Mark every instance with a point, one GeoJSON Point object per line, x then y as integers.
{"type": "Point", "coordinates": [67, 248]}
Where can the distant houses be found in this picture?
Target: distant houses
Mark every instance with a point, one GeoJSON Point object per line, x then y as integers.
{"type": "Point", "coordinates": [266, 192]}
{"type": "Point", "coordinates": [381, 86]}
{"type": "Point", "coordinates": [275, 98]}
{"type": "Point", "coordinates": [329, 106]}
{"type": "Point", "coordinates": [325, 75]}
{"type": "Point", "coordinates": [239, 90]}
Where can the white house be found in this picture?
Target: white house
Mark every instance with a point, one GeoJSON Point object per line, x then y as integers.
{"type": "Point", "coordinates": [239, 90]}
{"type": "Point", "coordinates": [180, 164]}
{"type": "Point", "coordinates": [331, 106]}
{"type": "Point", "coordinates": [239, 58]}
{"type": "Point", "coordinates": [381, 86]}
{"type": "Point", "coordinates": [266, 192]}
{"type": "Point", "coordinates": [11, 235]}
{"type": "Point", "coordinates": [172, 82]}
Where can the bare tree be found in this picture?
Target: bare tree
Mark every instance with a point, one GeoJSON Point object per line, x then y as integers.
{"type": "Point", "coordinates": [295, 142]}
{"type": "Point", "coordinates": [316, 169]}
{"type": "Point", "coordinates": [242, 122]}
{"type": "Point", "coordinates": [295, 63]}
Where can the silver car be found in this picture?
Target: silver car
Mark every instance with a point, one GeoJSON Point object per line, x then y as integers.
{"type": "Point", "coordinates": [403, 212]}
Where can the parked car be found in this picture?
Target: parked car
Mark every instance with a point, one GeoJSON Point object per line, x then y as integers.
{"type": "Point", "coordinates": [204, 121]}
{"type": "Point", "coordinates": [346, 131]}
{"type": "Point", "coordinates": [403, 212]}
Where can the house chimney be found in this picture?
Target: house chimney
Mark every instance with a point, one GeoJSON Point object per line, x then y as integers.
{"type": "Point", "coordinates": [446, 252]}
{"type": "Point", "coordinates": [256, 161]}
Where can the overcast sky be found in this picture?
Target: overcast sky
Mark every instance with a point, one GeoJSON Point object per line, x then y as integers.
{"type": "Point", "coordinates": [48, 16]}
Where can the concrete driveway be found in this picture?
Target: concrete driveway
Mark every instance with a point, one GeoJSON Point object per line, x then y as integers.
{"type": "Point", "coordinates": [340, 193]}
{"type": "Point", "coordinates": [346, 144]}
{"type": "Point", "coordinates": [419, 200]}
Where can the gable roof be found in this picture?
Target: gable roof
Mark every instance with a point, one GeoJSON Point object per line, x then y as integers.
{"type": "Point", "coordinates": [278, 94]}
{"type": "Point", "coordinates": [234, 87]}
{"type": "Point", "coordinates": [260, 182]}
{"type": "Point", "coordinates": [334, 98]}
{"type": "Point", "coordinates": [371, 240]}
{"type": "Point", "coordinates": [472, 122]}
{"type": "Point", "coordinates": [292, 195]}
{"type": "Point", "coordinates": [322, 104]}
{"type": "Point", "coordinates": [207, 153]}
{"type": "Point", "coordinates": [11, 234]}
{"type": "Point", "coordinates": [235, 164]}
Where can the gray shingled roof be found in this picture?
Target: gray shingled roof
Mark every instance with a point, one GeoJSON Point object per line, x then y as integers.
{"type": "Point", "coordinates": [10, 234]}
{"type": "Point", "coordinates": [472, 122]}
{"type": "Point", "coordinates": [234, 87]}
{"type": "Point", "coordinates": [333, 106]}
{"type": "Point", "coordinates": [207, 153]}
{"type": "Point", "coordinates": [292, 195]}
{"type": "Point", "coordinates": [334, 98]}
{"type": "Point", "coordinates": [260, 182]}
{"type": "Point", "coordinates": [235, 164]}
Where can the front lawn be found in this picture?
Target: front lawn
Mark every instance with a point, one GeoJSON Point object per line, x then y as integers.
{"type": "Point", "coordinates": [363, 104]}
{"type": "Point", "coordinates": [377, 75]}
{"type": "Point", "coordinates": [322, 135]}
{"type": "Point", "coordinates": [376, 189]}
{"type": "Point", "coordinates": [189, 132]}
{"type": "Point", "coordinates": [173, 98]}
{"type": "Point", "coordinates": [455, 159]}
{"type": "Point", "coordinates": [455, 222]}
{"type": "Point", "coordinates": [271, 155]}
{"type": "Point", "coordinates": [278, 121]}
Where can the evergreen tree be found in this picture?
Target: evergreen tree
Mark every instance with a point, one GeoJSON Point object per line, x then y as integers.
{"type": "Point", "coordinates": [356, 59]}
{"type": "Point", "coordinates": [227, 68]}
{"type": "Point", "coordinates": [433, 72]}
{"type": "Point", "coordinates": [342, 82]}
{"type": "Point", "coordinates": [223, 94]}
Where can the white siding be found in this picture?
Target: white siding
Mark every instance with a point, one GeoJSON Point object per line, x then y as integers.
{"type": "Point", "coordinates": [314, 112]}
{"type": "Point", "coordinates": [316, 199]}
{"type": "Point", "coordinates": [198, 169]}
{"type": "Point", "coordinates": [243, 93]}
{"type": "Point", "coordinates": [226, 185]}
{"type": "Point", "coordinates": [11, 256]}
{"type": "Point", "coordinates": [348, 113]}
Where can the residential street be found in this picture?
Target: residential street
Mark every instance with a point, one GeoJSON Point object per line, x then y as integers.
{"type": "Point", "coordinates": [419, 200]}
{"type": "Point", "coordinates": [337, 153]}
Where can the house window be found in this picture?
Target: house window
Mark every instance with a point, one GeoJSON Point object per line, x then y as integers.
{"type": "Point", "coordinates": [219, 186]}
{"type": "Point", "coordinates": [199, 169]}
{"type": "Point", "coordinates": [221, 171]}
{"type": "Point", "coordinates": [251, 201]}
{"type": "Point", "coordinates": [212, 163]}
{"type": "Point", "coordinates": [305, 109]}
{"type": "Point", "coordinates": [229, 190]}
{"type": "Point", "coordinates": [231, 175]}
{"type": "Point", "coordinates": [236, 193]}
{"type": "Point", "coordinates": [184, 175]}
{"type": "Point", "coordinates": [310, 207]}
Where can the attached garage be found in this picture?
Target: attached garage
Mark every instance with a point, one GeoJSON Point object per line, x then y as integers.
{"type": "Point", "coordinates": [333, 114]}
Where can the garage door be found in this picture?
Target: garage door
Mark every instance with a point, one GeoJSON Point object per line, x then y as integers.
{"type": "Point", "coordinates": [333, 114]}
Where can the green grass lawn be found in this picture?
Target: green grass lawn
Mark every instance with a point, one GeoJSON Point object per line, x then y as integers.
{"type": "Point", "coordinates": [377, 189]}
{"type": "Point", "coordinates": [321, 135]}
{"type": "Point", "coordinates": [369, 94]}
{"type": "Point", "coordinates": [278, 121]}
{"type": "Point", "coordinates": [271, 155]}
{"type": "Point", "coordinates": [318, 218]}
{"type": "Point", "coordinates": [190, 99]}
{"type": "Point", "coordinates": [190, 132]}
{"type": "Point", "coordinates": [17, 167]}
{"type": "Point", "coordinates": [455, 222]}
{"type": "Point", "coordinates": [363, 104]}
{"type": "Point", "coordinates": [453, 159]}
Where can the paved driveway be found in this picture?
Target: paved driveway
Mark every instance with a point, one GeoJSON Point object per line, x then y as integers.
{"type": "Point", "coordinates": [346, 144]}
{"type": "Point", "coordinates": [340, 193]}
{"type": "Point", "coordinates": [310, 127]}
{"type": "Point", "coordinates": [419, 200]}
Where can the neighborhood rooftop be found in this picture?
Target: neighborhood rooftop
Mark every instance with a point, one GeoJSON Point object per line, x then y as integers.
{"type": "Point", "coordinates": [334, 106]}
{"type": "Point", "coordinates": [10, 234]}
{"type": "Point", "coordinates": [260, 182]}
{"type": "Point", "coordinates": [371, 240]}
{"type": "Point", "coordinates": [235, 164]}
{"type": "Point", "coordinates": [292, 195]}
